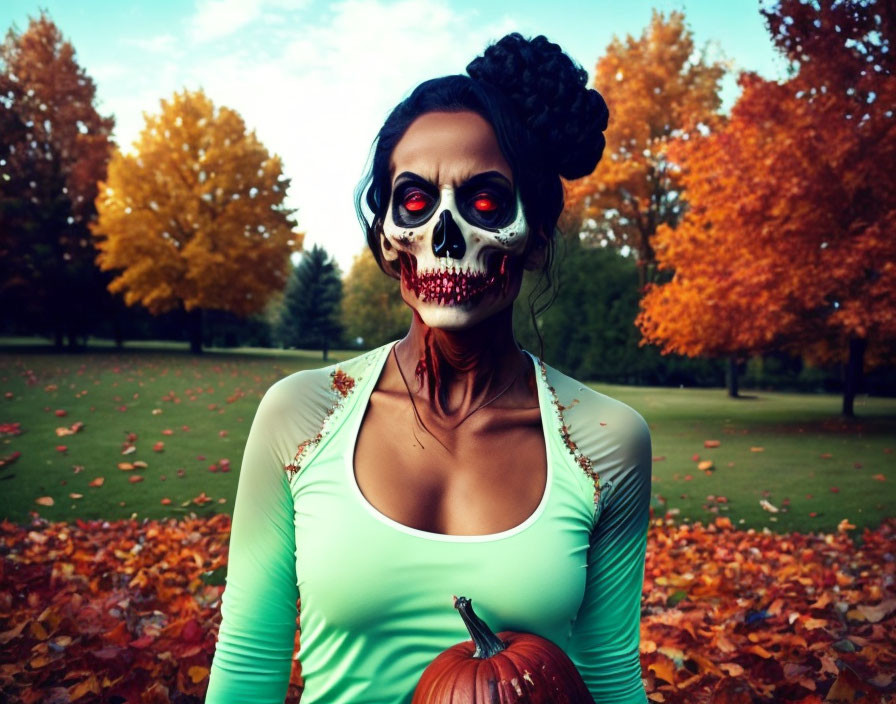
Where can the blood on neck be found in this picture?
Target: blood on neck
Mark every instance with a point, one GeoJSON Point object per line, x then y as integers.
{"type": "Point", "coordinates": [480, 358]}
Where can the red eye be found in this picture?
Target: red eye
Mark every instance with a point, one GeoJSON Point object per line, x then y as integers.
{"type": "Point", "coordinates": [484, 203]}
{"type": "Point", "coordinates": [415, 201]}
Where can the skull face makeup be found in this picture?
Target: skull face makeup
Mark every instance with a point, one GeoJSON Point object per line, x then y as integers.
{"type": "Point", "coordinates": [454, 222]}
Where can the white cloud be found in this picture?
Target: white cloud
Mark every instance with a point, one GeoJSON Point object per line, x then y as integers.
{"type": "Point", "coordinates": [319, 99]}
{"type": "Point", "coordinates": [160, 44]}
{"type": "Point", "coordinates": [215, 19]}
{"type": "Point", "coordinates": [316, 94]}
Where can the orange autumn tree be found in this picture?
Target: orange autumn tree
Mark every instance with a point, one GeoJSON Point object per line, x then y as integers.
{"type": "Point", "coordinates": [657, 87]}
{"type": "Point", "coordinates": [788, 242]}
{"type": "Point", "coordinates": [54, 146]}
{"type": "Point", "coordinates": [193, 217]}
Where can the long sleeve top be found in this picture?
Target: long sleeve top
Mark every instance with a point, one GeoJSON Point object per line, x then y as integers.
{"type": "Point", "coordinates": [376, 596]}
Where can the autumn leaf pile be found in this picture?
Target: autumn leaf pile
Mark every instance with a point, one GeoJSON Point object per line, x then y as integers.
{"type": "Point", "coordinates": [95, 611]}
{"type": "Point", "coordinates": [744, 616]}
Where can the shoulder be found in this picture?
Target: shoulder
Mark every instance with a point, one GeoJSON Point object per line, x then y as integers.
{"type": "Point", "coordinates": [599, 424]}
{"type": "Point", "coordinates": [308, 395]}
{"type": "Point", "coordinates": [613, 437]}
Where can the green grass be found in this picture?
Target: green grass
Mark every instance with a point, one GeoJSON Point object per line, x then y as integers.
{"type": "Point", "coordinates": [115, 393]}
{"type": "Point", "coordinates": [808, 449]}
{"type": "Point", "coordinates": [220, 390]}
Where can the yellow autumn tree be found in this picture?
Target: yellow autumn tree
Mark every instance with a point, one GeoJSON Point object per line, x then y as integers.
{"type": "Point", "coordinates": [658, 87]}
{"type": "Point", "coordinates": [193, 217]}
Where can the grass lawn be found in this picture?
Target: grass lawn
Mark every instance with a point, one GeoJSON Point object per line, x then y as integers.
{"type": "Point", "coordinates": [200, 409]}
{"type": "Point", "coordinates": [814, 466]}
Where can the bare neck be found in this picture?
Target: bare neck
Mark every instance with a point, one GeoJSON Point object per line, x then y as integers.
{"type": "Point", "coordinates": [455, 370]}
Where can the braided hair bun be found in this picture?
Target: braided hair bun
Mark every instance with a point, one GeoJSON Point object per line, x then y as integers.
{"type": "Point", "coordinates": [549, 93]}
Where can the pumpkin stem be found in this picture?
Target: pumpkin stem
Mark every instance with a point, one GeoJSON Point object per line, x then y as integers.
{"type": "Point", "coordinates": [486, 642]}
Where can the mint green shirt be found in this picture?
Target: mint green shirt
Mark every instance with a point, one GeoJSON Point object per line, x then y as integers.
{"type": "Point", "coordinates": [376, 604]}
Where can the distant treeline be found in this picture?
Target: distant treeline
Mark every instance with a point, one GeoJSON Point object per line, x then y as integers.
{"type": "Point", "coordinates": [588, 331]}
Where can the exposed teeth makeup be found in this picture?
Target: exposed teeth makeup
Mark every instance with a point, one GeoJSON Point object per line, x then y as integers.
{"type": "Point", "coordinates": [450, 286]}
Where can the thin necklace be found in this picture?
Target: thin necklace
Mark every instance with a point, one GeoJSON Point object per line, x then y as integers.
{"type": "Point", "coordinates": [456, 425]}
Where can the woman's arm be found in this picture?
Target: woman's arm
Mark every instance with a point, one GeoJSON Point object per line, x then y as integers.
{"type": "Point", "coordinates": [606, 634]}
{"type": "Point", "coordinates": [253, 657]}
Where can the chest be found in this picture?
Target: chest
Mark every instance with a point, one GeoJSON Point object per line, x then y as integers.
{"type": "Point", "coordinates": [485, 476]}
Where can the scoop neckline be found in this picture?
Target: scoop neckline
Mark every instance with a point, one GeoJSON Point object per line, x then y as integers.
{"type": "Point", "coordinates": [362, 401]}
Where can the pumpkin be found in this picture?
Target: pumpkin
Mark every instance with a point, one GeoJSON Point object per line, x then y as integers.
{"type": "Point", "coordinates": [500, 669]}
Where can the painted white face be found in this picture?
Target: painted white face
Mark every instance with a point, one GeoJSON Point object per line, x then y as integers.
{"type": "Point", "coordinates": [455, 222]}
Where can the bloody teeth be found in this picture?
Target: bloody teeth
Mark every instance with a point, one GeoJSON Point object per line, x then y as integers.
{"type": "Point", "coordinates": [452, 287]}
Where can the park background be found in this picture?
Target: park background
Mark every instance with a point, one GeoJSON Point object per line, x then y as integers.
{"type": "Point", "coordinates": [177, 232]}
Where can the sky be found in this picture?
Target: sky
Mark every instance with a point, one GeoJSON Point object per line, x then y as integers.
{"type": "Point", "coordinates": [315, 79]}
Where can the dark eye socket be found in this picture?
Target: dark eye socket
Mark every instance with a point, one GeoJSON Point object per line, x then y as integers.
{"type": "Point", "coordinates": [485, 203]}
{"type": "Point", "coordinates": [487, 207]}
{"type": "Point", "coordinates": [415, 201]}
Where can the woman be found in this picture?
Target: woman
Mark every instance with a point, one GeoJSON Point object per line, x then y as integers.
{"type": "Point", "coordinates": [451, 462]}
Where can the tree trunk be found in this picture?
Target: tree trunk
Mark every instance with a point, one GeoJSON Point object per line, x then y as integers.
{"type": "Point", "coordinates": [117, 332]}
{"type": "Point", "coordinates": [195, 317]}
{"type": "Point", "coordinates": [326, 348]}
{"type": "Point", "coordinates": [731, 377]}
{"type": "Point", "coordinates": [852, 381]}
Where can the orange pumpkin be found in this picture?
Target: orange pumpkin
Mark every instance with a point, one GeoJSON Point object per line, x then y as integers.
{"type": "Point", "coordinates": [500, 669]}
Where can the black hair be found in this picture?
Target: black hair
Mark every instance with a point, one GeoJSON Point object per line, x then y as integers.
{"type": "Point", "coordinates": [548, 124]}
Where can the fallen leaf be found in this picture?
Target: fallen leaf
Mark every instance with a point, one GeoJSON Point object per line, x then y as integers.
{"type": "Point", "coordinates": [135, 478]}
{"type": "Point", "coordinates": [125, 466]}
{"type": "Point", "coordinates": [844, 688]}
{"type": "Point", "coordinates": [760, 651]}
{"type": "Point", "coordinates": [202, 499]}
{"type": "Point", "coordinates": [158, 447]}
{"type": "Point", "coordinates": [44, 500]}
{"type": "Point", "coordinates": [97, 482]}
{"type": "Point", "coordinates": [711, 443]}
{"type": "Point", "coordinates": [197, 673]}
{"type": "Point", "coordinates": [732, 668]}
{"type": "Point", "coordinates": [71, 430]}
{"type": "Point", "coordinates": [757, 449]}
{"type": "Point", "coordinates": [766, 505]}
{"type": "Point", "coordinates": [664, 668]}
{"type": "Point", "coordinates": [875, 614]}
{"type": "Point", "coordinates": [879, 477]}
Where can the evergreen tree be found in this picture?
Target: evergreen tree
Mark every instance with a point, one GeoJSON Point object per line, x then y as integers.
{"type": "Point", "coordinates": [310, 317]}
